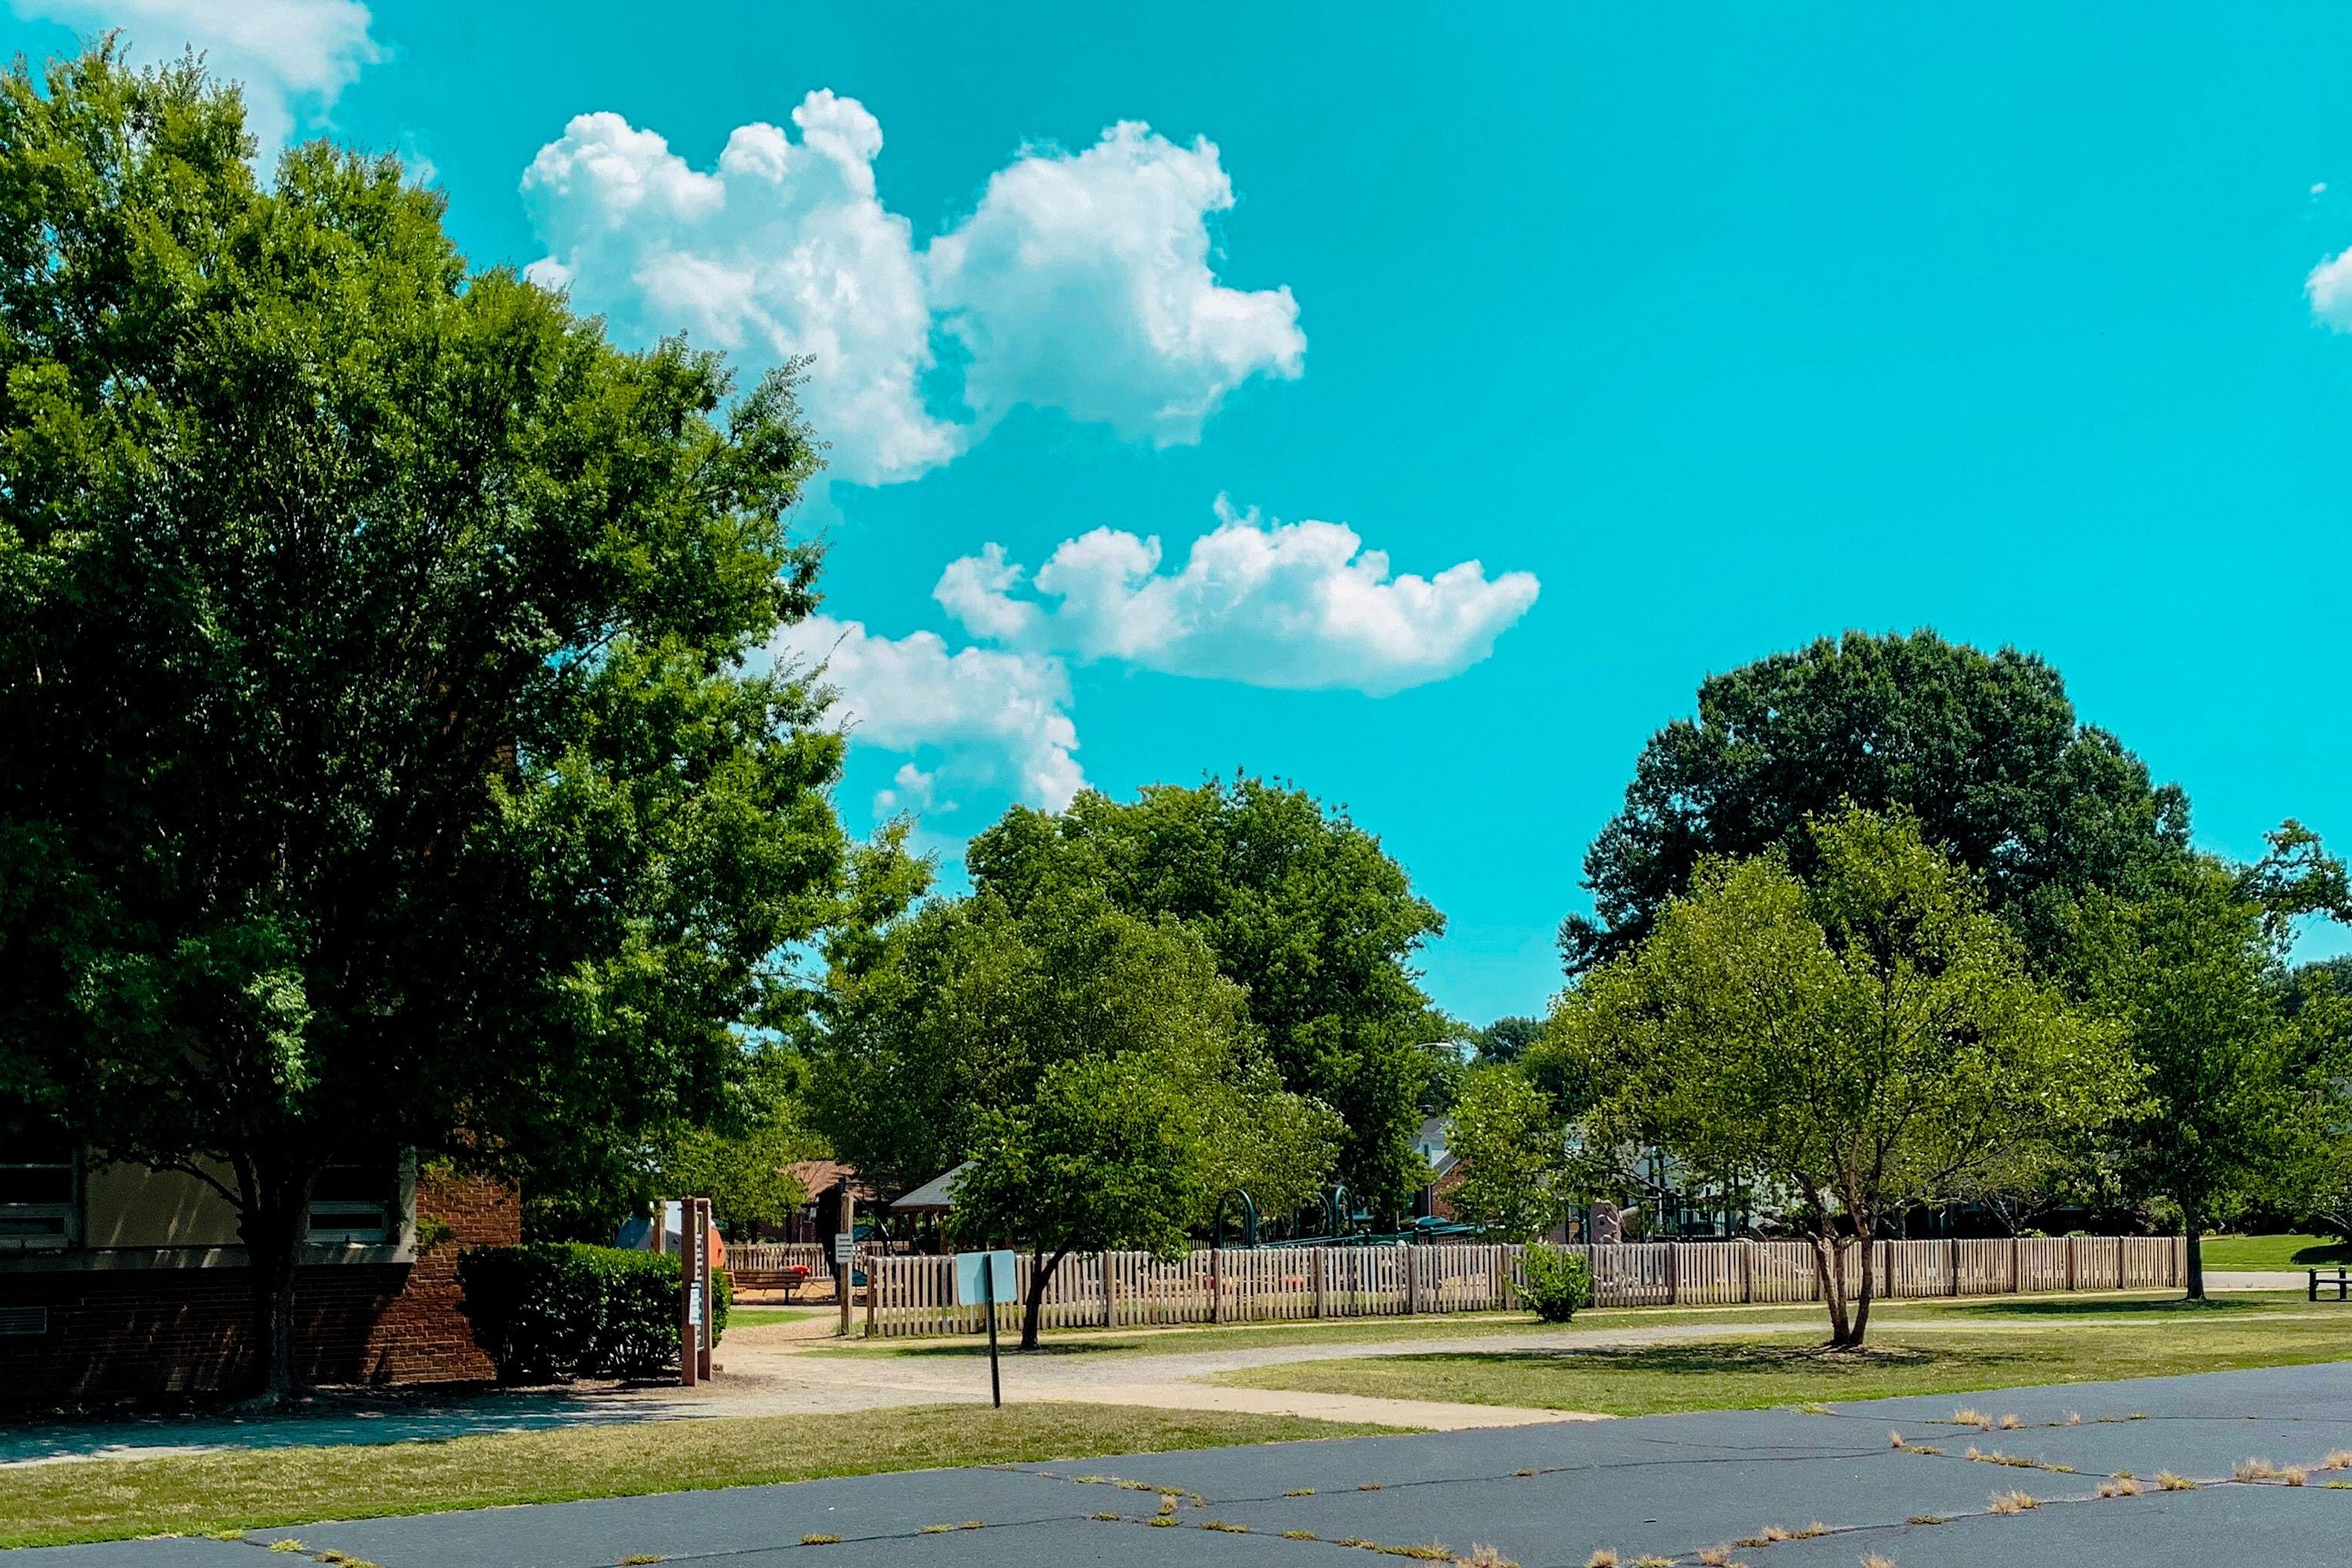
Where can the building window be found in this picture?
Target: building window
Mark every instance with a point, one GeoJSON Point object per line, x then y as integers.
{"type": "Point", "coordinates": [37, 1207]}
{"type": "Point", "coordinates": [358, 1203]}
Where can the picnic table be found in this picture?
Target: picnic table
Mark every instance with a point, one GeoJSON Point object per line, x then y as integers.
{"type": "Point", "coordinates": [2339, 1281]}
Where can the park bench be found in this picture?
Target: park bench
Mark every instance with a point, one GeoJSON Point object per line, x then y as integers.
{"type": "Point", "coordinates": [788, 1280]}
{"type": "Point", "coordinates": [2339, 1281]}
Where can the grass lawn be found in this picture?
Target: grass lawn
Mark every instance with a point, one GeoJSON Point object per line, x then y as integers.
{"type": "Point", "coordinates": [2274, 1252]}
{"type": "Point", "coordinates": [1328, 1330]}
{"type": "Point", "coordinates": [1914, 1349]}
{"type": "Point", "coordinates": [760, 1317]}
{"type": "Point", "coordinates": [204, 1494]}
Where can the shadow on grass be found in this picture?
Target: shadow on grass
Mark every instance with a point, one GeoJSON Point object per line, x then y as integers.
{"type": "Point", "coordinates": [2327, 1254]}
{"type": "Point", "coordinates": [1718, 1359]}
{"type": "Point", "coordinates": [2096, 1306]}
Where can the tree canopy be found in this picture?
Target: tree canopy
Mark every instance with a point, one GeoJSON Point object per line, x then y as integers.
{"type": "Point", "coordinates": [1512, 1146]}
{"type": "Point", "coordinates": [970, 1004]}
{"type": "Point", "coordinates": [385, 769]}
{"type": "Point", "coordinates": [1984, 751]}
{"type": "Point", "coordinates": [1864, 1039]}
{"type": "Point", "coordinates": [1300, 908]}
{"type": "Point", "coordinates": [2243, 1064]}
{"type": "Point", "coordinates": [1108, 1155]}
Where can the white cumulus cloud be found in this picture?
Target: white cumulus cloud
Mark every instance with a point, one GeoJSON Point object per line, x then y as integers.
{"type": "Point", "coordinates": [1081, 282]}
{"type": "Point", "coordinates": [1000, 716]}
{"type": "Point", "coordinates": [1302, 606]}
{"type": "Point", "coordinates": [287, 54]}
{"type": "Point", "coordinates": [2329, 287]}
{"type": "Point", "coordinates": [784, 250]}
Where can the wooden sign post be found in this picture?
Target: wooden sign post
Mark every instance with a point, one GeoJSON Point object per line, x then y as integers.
{"type": "Point", "coordinates": [845, 1252]}
{"type": "Point", "coordinates": [697, 1308]}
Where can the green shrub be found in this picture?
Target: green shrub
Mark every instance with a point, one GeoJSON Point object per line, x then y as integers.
{"type": "Point", "coordinates": [554, 1310]}
{"type": "Point", "coordinates": [1558, 1284]}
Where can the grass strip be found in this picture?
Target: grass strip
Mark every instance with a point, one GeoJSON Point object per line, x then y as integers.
{"type": "Point", "coordinates": [207, 1494]}
{"type": "Point", "coordinates": [1909, 1353]}
{"type": "Point", "coordinates": [2260, 1252]}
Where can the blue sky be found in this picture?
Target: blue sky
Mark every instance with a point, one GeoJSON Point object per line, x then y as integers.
{"type": "Point", "coordinates": [1700, 334]}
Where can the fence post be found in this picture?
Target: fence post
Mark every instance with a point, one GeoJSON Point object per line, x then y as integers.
{"type": "Point", "coordinates": [1952, 1261]}
{"type": "Point", "coordinates": [1110, 1317]}
{"type": "Point", "coordinates": [1315, 1253]}
{"type": "Point", "coordinates": [874, 1266]}
{"type": "Point", "coordinates": [1412, 1282]}
{"type": "Point", "coordinates": [1674, 1273]}
{"type": "Point", "coordinates": [2016, 1265]}
{"type": "Point", "coordinates": [2074, 1245]}
{"type": "Point", "coordinates": [1747, 1273]}
{"type": "Point", "coordinates": [1216, 1287]}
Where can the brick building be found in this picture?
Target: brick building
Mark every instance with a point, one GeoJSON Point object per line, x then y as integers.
{"type": "Point", "coordinates": [120, 1280]}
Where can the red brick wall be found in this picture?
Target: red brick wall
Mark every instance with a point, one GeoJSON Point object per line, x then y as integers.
{"type": "Point", "coordinates": [421, 1337]}
{"type": "Point", "coordinates": [114, 1332]}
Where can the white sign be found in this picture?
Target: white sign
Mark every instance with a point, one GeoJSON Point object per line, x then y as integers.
{"type": "Point", "coordinates": [973, 1286]}
{"type": "Point", "coordinates": [844, 1249]}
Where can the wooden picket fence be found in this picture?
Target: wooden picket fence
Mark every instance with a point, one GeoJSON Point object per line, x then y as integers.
{"type": "Point", "coordinates": [916, 1296]}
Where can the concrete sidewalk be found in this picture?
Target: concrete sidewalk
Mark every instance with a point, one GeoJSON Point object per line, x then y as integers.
{"type": "Point", "coordinates": [1669, 1487]}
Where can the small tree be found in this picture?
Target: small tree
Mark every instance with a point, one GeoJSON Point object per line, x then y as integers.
{"type": "Point", "coordinates": [2242, 1091]}
{"type": "Point", "coordinates": [1512, 1149]}
{"type": "Point", "coordinates": [1109, 1156]}
{"type": "Point", "coordinates": [1866, 1042]}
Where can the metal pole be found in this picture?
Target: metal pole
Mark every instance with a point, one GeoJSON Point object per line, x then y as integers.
{"type": "Point", "coordinates": [988, 1277]}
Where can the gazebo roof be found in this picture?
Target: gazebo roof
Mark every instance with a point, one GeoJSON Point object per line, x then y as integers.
{"type": "Point", "coordinates": [936, 1196]}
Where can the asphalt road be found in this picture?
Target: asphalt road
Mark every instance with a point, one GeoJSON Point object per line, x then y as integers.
{"type": "Point", "coordinates": [1546, 1497]}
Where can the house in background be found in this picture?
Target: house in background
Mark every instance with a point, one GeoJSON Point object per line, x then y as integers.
{"type": "Point", "coordinates": [116, 1280]}
{"type": "Point", "coordinates": [1445, 1171]}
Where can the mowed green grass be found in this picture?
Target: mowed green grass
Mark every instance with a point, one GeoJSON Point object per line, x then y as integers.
{"type": "Point", "coordinates": [218, 1493]}
{"type": "Point", "coordinates": [2275, 1252]}
{"type": "Point", "coordinates": [1328, 1330]}
{"type": "Point", "coordinates": [1918, 1350]}
{"type": "Point", "coordinates": [760, 1317]}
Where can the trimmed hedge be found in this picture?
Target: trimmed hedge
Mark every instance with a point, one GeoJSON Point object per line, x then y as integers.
{"type": "Point", "coordinates": [558, 1310]}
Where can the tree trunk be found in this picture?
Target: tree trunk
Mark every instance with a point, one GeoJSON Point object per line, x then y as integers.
{"type": "Point", "coordinates": [274, 1227]}
{"type": "Point", "coordinates": [2192, 1226]}
{"type": "Point", "coordinates": [1830, 1266]}
{"type": "Point", "coordinates": [1041, 1274]}
{"type": "Point", "coordinates": [1864, 1238]}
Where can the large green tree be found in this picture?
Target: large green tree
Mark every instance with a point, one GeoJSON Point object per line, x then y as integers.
{"type": "Point", "coordinates": [1848, 1044]}
{"type": "Point", "coordinates": [958, 1017]}
{"type": "Point", "coordinates": [2244, 1064]}
{"type": "Point", "coordinates": [1301, 908]}
{"type": "Point", "coordinates": [383, 769]}
{"type": "Point", "coordinates": [1984, 750]}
